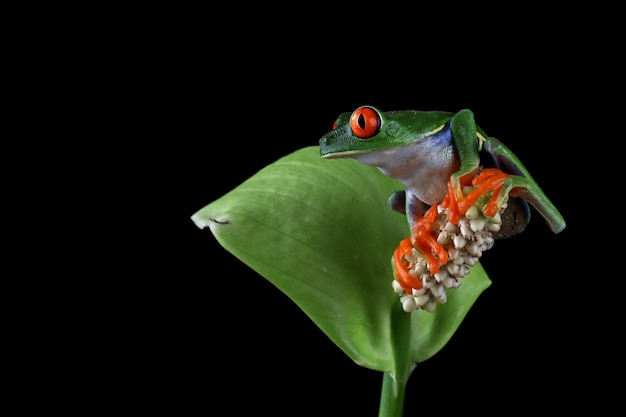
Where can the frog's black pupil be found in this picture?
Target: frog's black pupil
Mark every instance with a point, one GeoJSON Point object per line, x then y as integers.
{"type": "Point", "coordinates": [361, 121]}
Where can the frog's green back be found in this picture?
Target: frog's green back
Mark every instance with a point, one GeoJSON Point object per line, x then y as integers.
{"type": "Point", "coordinates": [405, 126]}
{"type": "Point", "coordinates": [419, 121]}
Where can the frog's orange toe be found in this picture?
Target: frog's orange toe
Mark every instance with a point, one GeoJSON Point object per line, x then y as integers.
{"type": "Point", "coordinates": [428, 246]}
{"type": "Point", "coordinates": [490, 179]}
{"type": "Point", "coordinates": [402, 275]}
{"type": "Point", "coordinates": [426, 242]}
{"type": "Point", "coordinates": [453, 200]}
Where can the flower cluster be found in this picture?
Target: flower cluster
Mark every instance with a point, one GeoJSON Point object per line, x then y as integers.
{"type": "Point", "coordinates": [464, 242]}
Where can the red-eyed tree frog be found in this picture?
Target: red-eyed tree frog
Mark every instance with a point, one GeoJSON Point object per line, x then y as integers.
{"type": "Point", "coordinates": [438, 156]}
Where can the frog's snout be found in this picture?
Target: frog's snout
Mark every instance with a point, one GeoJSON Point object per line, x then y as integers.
{"type": "Point", "coordinates": [334, 142]}
{"type": "Point", "coordinates": [325, 143]}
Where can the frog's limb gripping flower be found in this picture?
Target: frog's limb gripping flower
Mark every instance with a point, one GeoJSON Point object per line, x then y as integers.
{"type": "Point", "coordinates": [421, 286]}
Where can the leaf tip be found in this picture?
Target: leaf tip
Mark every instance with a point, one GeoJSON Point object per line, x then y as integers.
{"type": "Point", "coordinates": [208, 221]}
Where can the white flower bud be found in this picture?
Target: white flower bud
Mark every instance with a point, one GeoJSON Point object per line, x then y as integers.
{"type": "Point", "coordinates": [466, 231]}
{"type": "Point", "coordinates": [421, 299]}
{"type": "Point", "coordinates": [417, 293]}
{"type": "Point", "coordinates": [452, 282]}
{"type": "Point", "coordinates": [441, 274]}
{"type": "Point", "coordinates": [477, 224]}
{"type": "Point", "coordinates": [408, 303]}
{"type": "Point", "coordinates": [451, 228]}
{"type": "Point", "coordinates": [397, 288]}
{"type": "Point", "coordinates": [452, 268]}
{"type": "Point", "coordinates": [473, 249]}
{"type": "Point", "coordinates": [459, 242]}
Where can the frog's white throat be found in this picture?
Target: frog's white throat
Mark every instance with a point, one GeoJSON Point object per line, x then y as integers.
{"type": "Point", "coordinates": [424, 169]}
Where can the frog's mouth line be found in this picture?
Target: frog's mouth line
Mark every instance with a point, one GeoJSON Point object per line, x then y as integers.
{"type": "Point", "coordinates": [381, 148]}
{"type": "Point", "coordinates": [338, 155]}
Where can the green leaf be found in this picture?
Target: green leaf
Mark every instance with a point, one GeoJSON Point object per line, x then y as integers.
{"type": "Point", "coordinates": [322, 232]}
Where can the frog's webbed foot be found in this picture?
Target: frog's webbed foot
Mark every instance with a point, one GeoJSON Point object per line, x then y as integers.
{"type": "Point", "coordinates": [489, 180]}
{"type": "Point", "coordinates": [401, 266]}
{"type": "Point", "coordinates": [423, 238]}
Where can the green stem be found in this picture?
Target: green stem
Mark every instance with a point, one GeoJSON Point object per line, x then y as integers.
{"type": "Point", "coordinates": [394, 381]}
{"type": "Point", "coordinates": [391, 396]}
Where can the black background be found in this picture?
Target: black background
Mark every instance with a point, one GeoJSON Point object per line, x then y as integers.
{"type": "Point", "coordinates": [128, 120]}
{"type": "Point", "coordinates": [202, 331]}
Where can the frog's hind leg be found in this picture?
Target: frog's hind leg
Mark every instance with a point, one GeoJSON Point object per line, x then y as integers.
{"type": "Point", "coordinates": [524, 186]}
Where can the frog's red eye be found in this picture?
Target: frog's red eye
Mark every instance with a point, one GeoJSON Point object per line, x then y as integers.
{"type": "Point", "coordinates": [365, 122]}
{"type": "Point", "coordinates": [335, 125]}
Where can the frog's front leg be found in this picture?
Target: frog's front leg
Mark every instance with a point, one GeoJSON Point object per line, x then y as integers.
{"type": "Point", "coordinates": [522, 184]}
{"type": "Point", "coordinates": [467, 144]}
{"type": "Point", "coordinates": [510, 177]}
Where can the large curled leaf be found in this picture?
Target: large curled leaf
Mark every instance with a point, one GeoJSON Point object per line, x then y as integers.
{"type": "Point", "coordinates": [321, 231]}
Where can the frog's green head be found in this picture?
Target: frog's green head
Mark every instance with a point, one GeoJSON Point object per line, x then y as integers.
{"type": "Point", "coordinates": [367, 129]}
